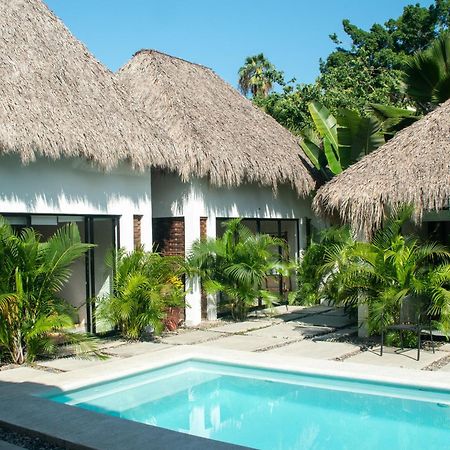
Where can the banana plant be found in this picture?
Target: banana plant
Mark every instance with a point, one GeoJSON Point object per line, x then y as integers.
{"type": "Point", "coordinates": [321, 144]}
{"type": "Point", "coordinates": [338, 142]}
{"type": "Point", "coordinates": [391, 118]}
{"type": "Point", "coordinates": [358, 136]}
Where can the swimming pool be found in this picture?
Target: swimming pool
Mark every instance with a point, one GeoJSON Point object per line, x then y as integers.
{"type": "Point", "coordinates": [270, 409]}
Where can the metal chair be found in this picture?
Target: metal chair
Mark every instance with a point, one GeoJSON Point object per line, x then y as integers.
{"type": "Point", "coordinates": [414, 318]}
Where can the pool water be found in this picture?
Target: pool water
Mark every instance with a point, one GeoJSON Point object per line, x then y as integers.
{"type": "Point", "coordinates": [268, 409]}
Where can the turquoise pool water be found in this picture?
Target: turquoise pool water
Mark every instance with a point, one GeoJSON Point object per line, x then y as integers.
{"type": "Point", "coordinates": [268, 409]}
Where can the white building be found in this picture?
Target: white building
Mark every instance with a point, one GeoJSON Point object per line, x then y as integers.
{"type": "Point", "coordinates": [71, 146]}
{"type": "Point", "coordinates": [74, 148]}
{"type": "Point", "coordinates": [229, 160]}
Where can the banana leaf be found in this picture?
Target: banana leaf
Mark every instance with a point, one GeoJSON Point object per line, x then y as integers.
{"type": "Point", "coordinates": [332, 158]}
{"type": "Point", "coordinates": [325, 122]}
{"type": "Point", "coordinates": [358, 136]}
{"type": "Point", "coordinates": [313, 152]}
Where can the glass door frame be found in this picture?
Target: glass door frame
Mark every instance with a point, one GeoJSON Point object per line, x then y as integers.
{"type": "Point", "coordinates": [279, 221]}
{"type": "Point", "coordinates": [90, 263]}
{"type": "Point", "coordinates": [89, 238]}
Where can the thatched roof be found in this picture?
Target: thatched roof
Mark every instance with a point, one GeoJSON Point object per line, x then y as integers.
{"type": "Point", "coordinates": [57, 100]}
{"type": "Point", "coordinates": [217, 132]}
{"type": "Point", "coordinates": [412, 168]}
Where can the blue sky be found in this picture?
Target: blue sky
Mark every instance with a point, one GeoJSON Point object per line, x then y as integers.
{"type": "Point", "coordinates": [220, 34]}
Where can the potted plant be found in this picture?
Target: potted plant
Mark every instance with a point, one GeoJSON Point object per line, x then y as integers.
{"type": "Point", "coordinates": [145, 286]}
{"type": "Point", "coordinates": [174, 300]}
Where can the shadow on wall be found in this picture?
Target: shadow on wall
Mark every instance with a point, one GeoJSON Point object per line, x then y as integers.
{"type": "Point", "coordinates": [170, 195]}
{"type": "Point", "coordinates": [68, 185]}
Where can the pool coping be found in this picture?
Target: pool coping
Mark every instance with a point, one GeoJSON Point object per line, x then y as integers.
{"type": "Point", "coordinates": [76, 428]}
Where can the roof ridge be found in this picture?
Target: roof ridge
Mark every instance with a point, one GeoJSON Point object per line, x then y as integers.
{"type": "Point", "coordinates": [152, 50]}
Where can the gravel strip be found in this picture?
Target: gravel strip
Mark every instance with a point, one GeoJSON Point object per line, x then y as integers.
{"type": "Point", "coordinates": [348, 355]}
{"type": "Point", "coordinates": [288, 342]}
{"type": "Point", "coordinates": [439, 364]}
{"type": "Point", "coordinates": [281, 344]}
{"type": "Point", "coordinates": [25, 441]}
{"type": "Point", "coordinates": [6, 366]}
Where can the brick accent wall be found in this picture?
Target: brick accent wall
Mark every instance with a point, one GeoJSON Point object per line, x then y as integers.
{"type": "Point", "coordinates": [168, 236]}
{"type": "Point", "coordinates": [203, 222]}
{"type": "Point", "coordinates": [137, 231]}
{"type": "Point", "coordinates": [168, 239]}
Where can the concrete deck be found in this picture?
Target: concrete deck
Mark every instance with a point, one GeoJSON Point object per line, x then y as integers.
{"type": "Point", "coordinates": [299, 339]}
{"type": "Point", "coordinates": [315, 349]}
{"type": "Point", "coordinates": [297, 332]}
{"type": "Point", "coordinates": [136, 348]}
{"type": "Point", "coordinates": [242, 327]}
{"type": "Point", "coordinates": [393, 357]}
{"type": "Point", "coordinates": [245, 342]}
{"type": "Point", "coordinates": [190, 337]}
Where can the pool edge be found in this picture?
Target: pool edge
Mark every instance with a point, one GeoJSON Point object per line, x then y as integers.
{"type": "Point", "coordinates": [21, 412]}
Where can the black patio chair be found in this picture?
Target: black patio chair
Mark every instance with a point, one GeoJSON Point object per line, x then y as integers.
{"type": "Point", "coordinates": [414, 318]}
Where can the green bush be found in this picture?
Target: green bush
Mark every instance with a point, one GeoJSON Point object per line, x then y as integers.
{"type": "Point", "coordinates": [393, 339]}
{"type": "Point", "coordinates": [32, 273]}
{"type": "Point", "coordinates": [145, 285]}
{"type": "Point", "coordinates": [237, 264]}
{"type": "Point", "coordinates": [382, 272]}
{"type": "Point", "coordinates": [310, 278]}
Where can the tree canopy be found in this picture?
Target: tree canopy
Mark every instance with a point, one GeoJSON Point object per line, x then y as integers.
{"type": "Point", "coordinates": [370, 69]}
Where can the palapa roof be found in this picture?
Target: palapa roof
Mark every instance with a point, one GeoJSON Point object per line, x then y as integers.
{"type": "Point", "coordinates": [218, 133]}
{"type": "Point", "coordinates": [411, 168]}
{"type": "Point", "coordinates": [57, 100]}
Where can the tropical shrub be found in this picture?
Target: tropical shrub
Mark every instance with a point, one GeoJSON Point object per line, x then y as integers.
{"type": "Point", "coordinates": [382, 272]}
{"type": "Point", "coordinates": [310, 278]}
{"type": "Point", "coordinates": [391, 118]}
{"type": "Point", "coordinates": [237, 265]}
{"type": "Point", "coordinates": [145, 285]}
{"type": "Point", "coordinates": [32, 274]}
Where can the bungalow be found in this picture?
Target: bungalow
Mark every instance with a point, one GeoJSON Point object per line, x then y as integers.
{"type": "Point", "coordinates": [229, 159]}
{"type": "Point", "coordinates": [161, 170]}
{"type": "Point", "coordinates": [412, 168]}
{"type": "Point", "coordinates": [72, 148]}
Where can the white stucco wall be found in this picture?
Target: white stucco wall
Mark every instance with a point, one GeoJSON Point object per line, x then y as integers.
{"type": "Point", "coordinates": [171, 197]}
{"type": "Point", "coordinates": [192, 200]}
{"type": "Point", "coordinates": [74, 187]}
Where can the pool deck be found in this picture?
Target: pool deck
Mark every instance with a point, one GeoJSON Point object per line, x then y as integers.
{"type": "Point", "coordinates": [296, 340]}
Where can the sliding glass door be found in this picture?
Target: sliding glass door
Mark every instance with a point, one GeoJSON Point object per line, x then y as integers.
{"type": "Point", "coordinates": [91, 278]}
{"type": "Point", "coordinates": [288, 230]}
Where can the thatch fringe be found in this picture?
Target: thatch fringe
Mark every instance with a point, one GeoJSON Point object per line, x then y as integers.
{"type": "Point", "coordinates": [218, 133]}
{"type": "Point", "coordinates": [57, 100]}
{"type": "Point", "coordinates": [412, 168]}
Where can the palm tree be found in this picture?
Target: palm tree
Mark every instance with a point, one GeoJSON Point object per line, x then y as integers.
{"type": "Point", "coordinates": [428, 74]}
{"type": "Point", "coordinates": [32, 273]}
{"type": "Point", "coordinates": [237, 264]}
{"type": "Point", "coordinates": [145, 285]}
{"type": "Point", "coordinates": [258, 75]}
{"type": "Point", "coordinates": [384, 271]}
